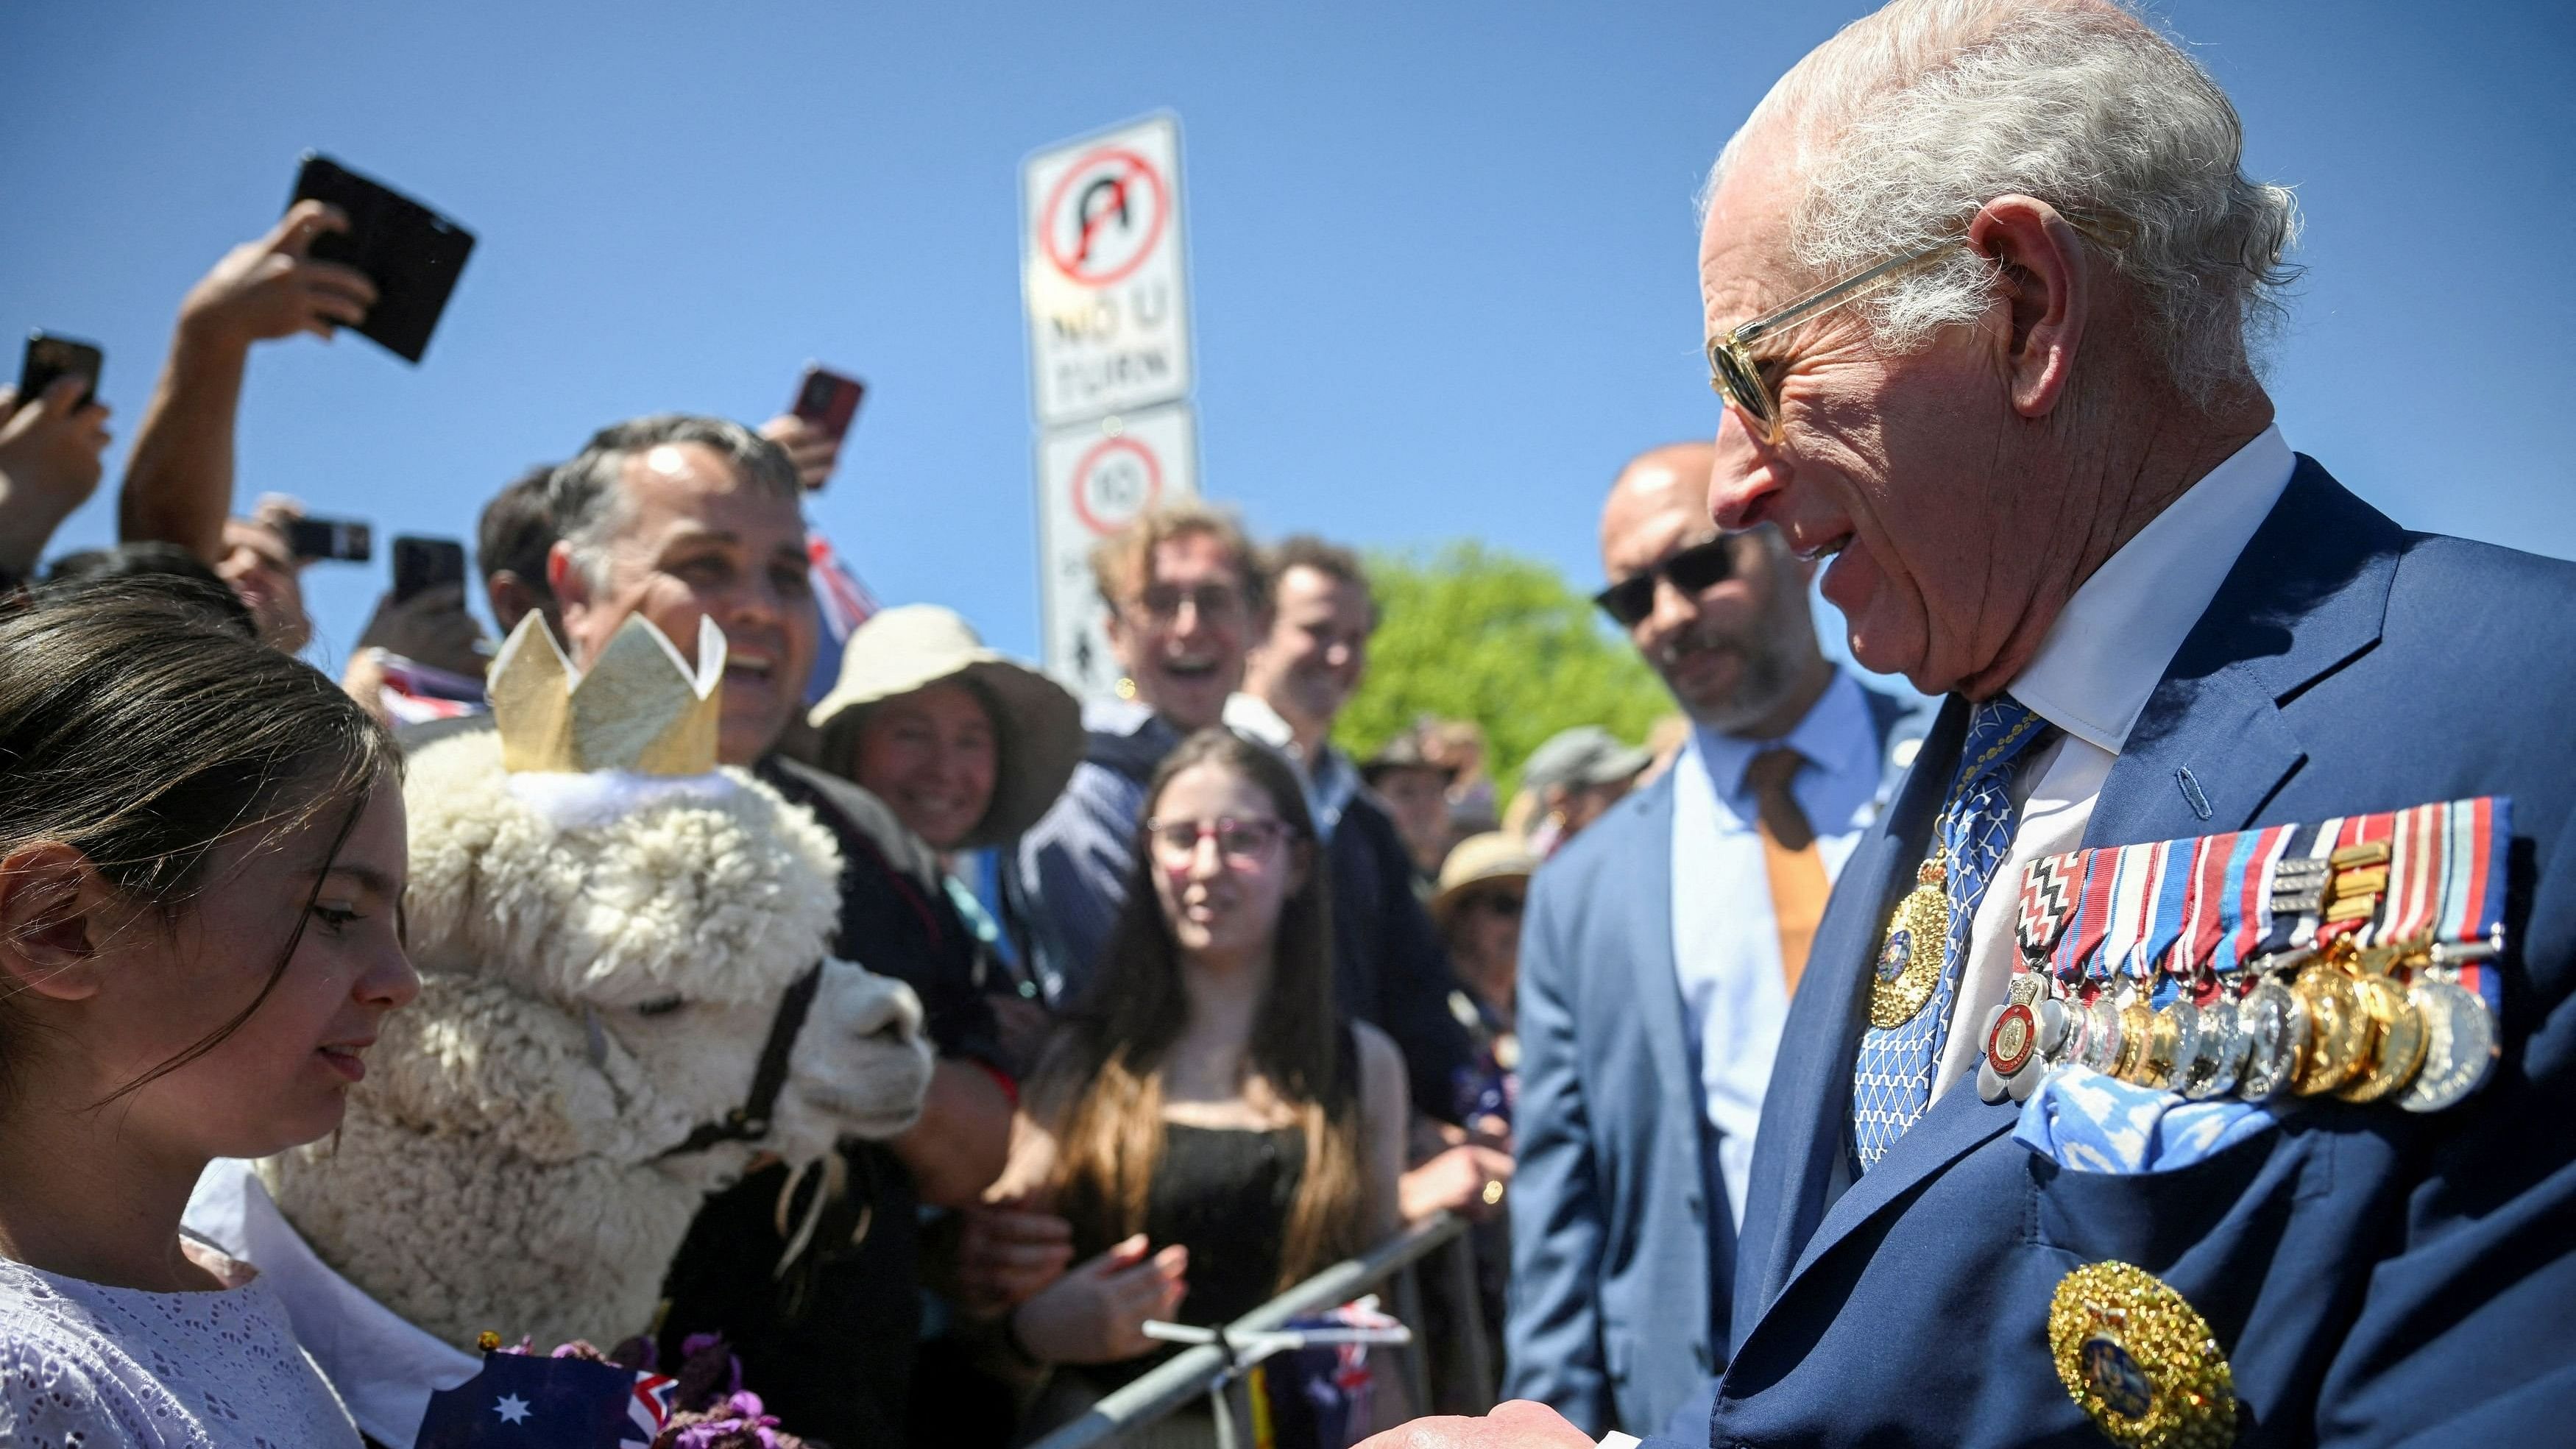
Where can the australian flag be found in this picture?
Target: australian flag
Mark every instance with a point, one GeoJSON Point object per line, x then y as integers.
{"type": "Point", "coordinates": [522, 1401]}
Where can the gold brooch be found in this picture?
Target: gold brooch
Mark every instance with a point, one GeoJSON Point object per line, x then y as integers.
{"type": "Point", "coordinates": [2140, 1360]}
{"type": "Point", "coordinates": [1918, 938]}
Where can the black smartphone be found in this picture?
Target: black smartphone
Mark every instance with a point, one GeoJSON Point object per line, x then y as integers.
{"type": "Point", "coordinates": [345, 540]}
{"type": "Point", "coordinates": [49, 358]}
{"type": "Point", "coordinates": [425, 563]}
{"type": "Point", "coordinates": [410, 252]}
{"type": "Point", "coordinates": [828, 400]}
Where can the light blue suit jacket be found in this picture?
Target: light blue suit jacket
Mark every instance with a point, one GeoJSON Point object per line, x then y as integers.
{"type": "Point", "coordinates": [1618, 1221]}
{"type": "Point", "coordinates": [1623, 1252]}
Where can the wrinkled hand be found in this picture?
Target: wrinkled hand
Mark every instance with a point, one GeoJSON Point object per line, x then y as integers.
{"type": "Point", "coordinates": [49, 458]}
{"type": "Point", "coordinates": [272, 287]}
{"type": "Point", "coordinates": [814, 452]}
{"type": "Point", "coordinates": [431, 627]}
{"type": "Point", "coordinates": [1097, 1312]}
{"type": "Point", "coordinates": [1006, 1253]}
{"type": "Point", "coordinates": [1469, 1181]}
{"type": "Point", "coordinates": [1518, 1424]}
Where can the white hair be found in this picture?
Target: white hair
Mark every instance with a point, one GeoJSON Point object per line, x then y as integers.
{"type": "Point", "coordinates": [1910, 119]}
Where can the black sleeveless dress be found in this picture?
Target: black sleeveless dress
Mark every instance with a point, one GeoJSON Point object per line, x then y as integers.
{"type": "Point", "coordinates": [1223, 1193]}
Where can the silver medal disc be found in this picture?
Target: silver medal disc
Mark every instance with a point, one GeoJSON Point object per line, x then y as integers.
{"type": "Point", "coordinates": [2276, 1036]}
{"type": "Point", "coordinates": [2187, 1034]}
{"type": "Point", "coordinates": [2459, 1045]}
{"type": "Point", "coordinates": [2100, 1048]}
{"type": "Point", "coordinates": [2221, 1058]}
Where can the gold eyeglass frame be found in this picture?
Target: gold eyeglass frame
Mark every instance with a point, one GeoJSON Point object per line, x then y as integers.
{"type": "Point", "coordinates": [1735, 377]}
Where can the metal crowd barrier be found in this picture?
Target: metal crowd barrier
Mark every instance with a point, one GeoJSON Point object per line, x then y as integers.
{"type": "Point", "coordinates": [1209, 1369]}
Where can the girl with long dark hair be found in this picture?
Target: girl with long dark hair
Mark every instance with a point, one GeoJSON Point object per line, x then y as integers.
{"type": "Point", "coordinates": [201, 873]}
{"type": "Point", "coordinates": [1206, 1121]}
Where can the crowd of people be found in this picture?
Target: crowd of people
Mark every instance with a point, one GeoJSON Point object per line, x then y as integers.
{"type": "Point", "coordinates": [1189, 983]}
{"type": "Point", "coordinates": [973, 1028]}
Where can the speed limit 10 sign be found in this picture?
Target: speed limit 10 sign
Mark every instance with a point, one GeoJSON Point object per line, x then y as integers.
{"type": "Point", "coordinates": [1094, 480]}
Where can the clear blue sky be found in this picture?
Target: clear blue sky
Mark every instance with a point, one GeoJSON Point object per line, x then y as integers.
{"type": "Point", "coordinates": [1442, 254]}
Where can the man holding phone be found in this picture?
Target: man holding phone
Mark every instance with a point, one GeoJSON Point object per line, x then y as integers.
{"type": "Point", "coordinates": [179, 482]}
{"type": "Point", "coordinates": [49, 465]}
{"type": "Point", "coordinates": [811, 431]}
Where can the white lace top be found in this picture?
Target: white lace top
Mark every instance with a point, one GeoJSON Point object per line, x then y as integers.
{"type": "Point", "coordinates": [85, 1366]}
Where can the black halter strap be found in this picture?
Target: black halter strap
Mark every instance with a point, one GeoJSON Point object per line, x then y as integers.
{"type": "Point", "coordinates": [750, 1121]}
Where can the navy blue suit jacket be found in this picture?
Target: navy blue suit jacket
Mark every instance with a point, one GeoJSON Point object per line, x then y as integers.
{"type": "Point", "coordinates": [2373, 1276]}
{"type": "Point", "coordinates": [1623, 1250]}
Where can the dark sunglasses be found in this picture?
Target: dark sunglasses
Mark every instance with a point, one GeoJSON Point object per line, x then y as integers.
{"type": "Point", "coordinates": [1695, 568]}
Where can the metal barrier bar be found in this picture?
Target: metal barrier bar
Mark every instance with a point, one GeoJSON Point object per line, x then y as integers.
{"type": "Point", "coordinates": [1189, 1373]}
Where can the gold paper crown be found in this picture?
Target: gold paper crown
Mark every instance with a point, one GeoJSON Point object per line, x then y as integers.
{"type": "Point", "coordinates": [639, 708]}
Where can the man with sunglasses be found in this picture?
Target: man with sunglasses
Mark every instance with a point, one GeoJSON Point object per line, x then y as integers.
{"type": "Point", "coordinates": [1662, 947]}
{"type": "Point", "coordinates": [2002, 265]}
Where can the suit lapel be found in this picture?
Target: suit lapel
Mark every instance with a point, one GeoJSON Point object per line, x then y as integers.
{"type": "Point", "coordinates": [2306, 597]}
{"type": "Point", "coordinates": [1801, 1156]}
{"type": "Point", "coordinates": [1650, 953]}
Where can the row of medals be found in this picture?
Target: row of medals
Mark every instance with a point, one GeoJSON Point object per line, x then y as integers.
{"type": "Point", "coordinates": [2337, 1020]}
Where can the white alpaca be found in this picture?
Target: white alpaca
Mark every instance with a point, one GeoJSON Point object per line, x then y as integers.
{"type": "Point", "coordinates": [601, 957]}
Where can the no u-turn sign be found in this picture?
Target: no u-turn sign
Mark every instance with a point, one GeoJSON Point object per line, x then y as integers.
{"type": "Point", "coordinates": [1101, 273]}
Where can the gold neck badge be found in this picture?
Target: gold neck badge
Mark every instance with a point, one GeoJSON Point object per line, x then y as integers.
{"type": "Point", "coordinates": [639, 708]}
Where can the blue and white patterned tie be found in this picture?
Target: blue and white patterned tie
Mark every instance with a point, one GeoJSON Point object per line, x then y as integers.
{"type": "Point", "coordinates": [1892, 1079]}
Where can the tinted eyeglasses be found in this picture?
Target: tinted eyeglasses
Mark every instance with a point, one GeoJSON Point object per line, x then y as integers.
{"type": "Point", "coordinates": [1695, 568]}
{"type": "Point", "coordinates": [1242, 844]}
{"type": "Point", "coordinates": [1744, 380]}
{"type": "Point", "coordinates": [1164, 601]}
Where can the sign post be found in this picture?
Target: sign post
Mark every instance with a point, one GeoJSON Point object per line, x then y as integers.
{"type": "Point", "coordinates": [1109, 364]}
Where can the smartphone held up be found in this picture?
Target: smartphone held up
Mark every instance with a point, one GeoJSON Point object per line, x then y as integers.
{"type": "Point", "coordinates": [49, 359]}
{"type": "Point", "coordinates": [411, 253]}
{"type": "Point", "coordinates": [828, 401]}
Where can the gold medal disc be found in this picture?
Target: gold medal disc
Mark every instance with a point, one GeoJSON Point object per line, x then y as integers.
{"type": "Point", "coordinates": [1918, 938]}
{"type": "Point", "coordinates": [2396, 1038]}
{"type": "Point", "coordinates": [2140, 1360]}
{"type": "Point", "coordinates": [2137, 1038]}
{"type": "Point", "coordinates": [2339, 1030]}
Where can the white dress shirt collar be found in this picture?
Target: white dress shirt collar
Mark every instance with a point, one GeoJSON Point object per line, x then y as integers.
{"type": "Point", "coordinates": [2107, 650]}
{"type": "Point", "coordinates": [1835, 735]}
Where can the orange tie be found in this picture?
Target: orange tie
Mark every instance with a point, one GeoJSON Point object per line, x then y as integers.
{"type": "Point", "coordinates": [1798, 885]}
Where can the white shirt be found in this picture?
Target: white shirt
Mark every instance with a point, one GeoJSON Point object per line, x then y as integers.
{"type": "Point", "coordinates": [85, 1364]}
{"type": "Point", "coordinates": [1726, 938]}
{"type": "Point", "coordinates": [2091, 678]}
{"type": "Point", "coordinates": [384, 1367]}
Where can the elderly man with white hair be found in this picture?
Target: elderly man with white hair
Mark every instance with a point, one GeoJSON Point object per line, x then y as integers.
{"type": "Point", "coordinates": [2186, 1056]}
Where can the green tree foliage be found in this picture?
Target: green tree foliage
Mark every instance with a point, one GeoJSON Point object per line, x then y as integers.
{"type": "Point", "coordinates": [1472, 633]}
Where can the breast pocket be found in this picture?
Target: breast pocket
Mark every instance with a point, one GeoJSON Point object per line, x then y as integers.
{"type": "Point", "coordinates": [2155, 1217]}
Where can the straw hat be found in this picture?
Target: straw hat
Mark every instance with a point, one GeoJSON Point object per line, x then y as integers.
{"type": "Point", "coordinates": [1480, 860]}
{"type": "Point", "coordinates": [1037, 725]}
